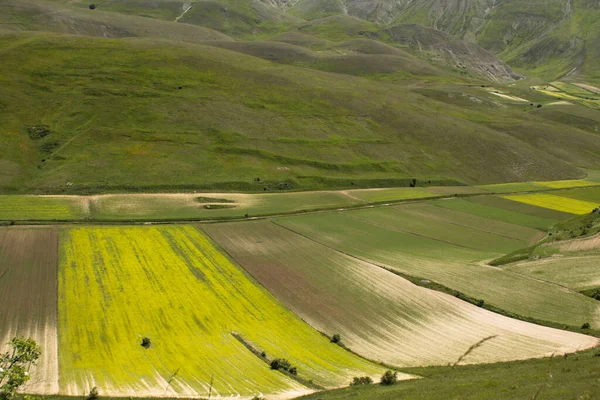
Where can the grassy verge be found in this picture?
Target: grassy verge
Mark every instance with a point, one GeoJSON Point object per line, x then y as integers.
{"type": "Point", "coordinates": [576, 376]}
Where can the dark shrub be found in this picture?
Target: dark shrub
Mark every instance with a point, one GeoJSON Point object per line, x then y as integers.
{"type": "Point", "coordinates": [281, 363]}
{"type": "Point", "coordinates": [586, 326]}
{"type": "Point", "coordinates": [92, 6]}
{"type": "Point", "coordinates": [363, 380]}
{"type": "Point", "coordinates": [294, 371]}
{"type": "Point", "coordinates": [94, 394]}
{"type": "Point", "coordinates": [336, 338]}
{"type": "Point", "coordinates": [146, 343]}
{"type": "Point", "coordinates": [389, 378]}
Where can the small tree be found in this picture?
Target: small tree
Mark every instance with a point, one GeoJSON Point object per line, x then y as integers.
{"type": "Point", "coordinates": [389, 377]}
{"type": "Point", "coordinates": [363, 380]}
{"type": "Point", "coordinates": [146, 343]}
{"type": "Point", "coordinates": [586, 326]}
{"type": "Point", "coordinates": [94, 394]}
{"type": "Point", "coordinates": [336, 338]}
{"type": "Point", "coordinates": [293, 371]}
{"type": "Point", "coordinates": [92, 6]}
{"type": "Point", "coordinates": [15, 365]}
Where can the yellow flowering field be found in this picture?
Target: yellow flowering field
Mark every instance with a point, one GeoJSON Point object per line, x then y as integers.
{"type": "Point", "coordinates": [554, 202]}
{"type": "Point", "coordinates": [567, 184]}
{"type": "Point", "coordinates": [170, 284]}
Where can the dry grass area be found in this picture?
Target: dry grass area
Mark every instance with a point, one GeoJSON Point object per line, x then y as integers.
{"type": "Point", "coordinates": [379, 314]}
{"type": "Point", "coordinates": [28, 297]}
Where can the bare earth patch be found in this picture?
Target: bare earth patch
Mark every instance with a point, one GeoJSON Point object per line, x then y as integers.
{"type": "Point", "coordinates": [28, 298]}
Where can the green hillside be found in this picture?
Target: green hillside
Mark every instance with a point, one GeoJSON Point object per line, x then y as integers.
{"type": "Point", "coordinates": [135, 113]}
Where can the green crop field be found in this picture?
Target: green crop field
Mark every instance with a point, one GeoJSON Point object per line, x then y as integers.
{"type": "Point", "coordinates": [172, 285]}
{"type": "Point", "coordinates": [522, 208]}
{"type": "Point", "coordinates": [463, 236]}
{"type": "Point", "coordinates": [28, 297]}
{"type": "Point", "coordinates": [555, 202]}
{"type": "Point", "coordinates": [591, 195]}
{"type": "Point", "coordinates": [449, 265]}
{"type": "Point", "coordinates": [378, 314]}
{"type": "Point", "coordinates": [23, 208]}
{"type": "Point", "coordinates": [496, 208]}
{"type": "Point", "coordinates": [429, 211]}
{"type": "Point", "coordinates": [578, 272]}
{"type": "Point", "coordinates": [511, 187]}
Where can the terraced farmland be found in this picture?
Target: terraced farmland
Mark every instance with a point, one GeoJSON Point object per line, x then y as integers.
{"type": "Point", "coordinates": [170, 284]}
{"type": "Point", "coordinates": [28, 296]}
{"type": "Point", "coordinates": [555, 202]}
{"type": "Point", "coordinates": [378, 314]}
{"type": "Point", "coordinates": [455, 267]}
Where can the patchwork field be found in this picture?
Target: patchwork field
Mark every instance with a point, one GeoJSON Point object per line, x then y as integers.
{"type": "Point", "coordinates": [455, 267]}
{"type": "Point", "coordinates": [555, 202]}
{"type": "Point", "coordinates": [196, 206]}
{"type": "Point", "coordinates": [170, 284]}
{"type": "Point", "coordinates": [28, 297]}
{"type": "Point", "coordinates": [378, 314]}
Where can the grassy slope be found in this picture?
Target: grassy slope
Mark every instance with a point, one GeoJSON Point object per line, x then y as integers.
{"type": "Point", "coordinates": [128, 125]}
{"type": "Point", "coordinates": [172, 285]}
{"type": "Point", "coordinates": [573, 377]}
{"type": "Point", "coordinates": [378, 314]}
{"type": "Point", "coordinates": [449, 265]}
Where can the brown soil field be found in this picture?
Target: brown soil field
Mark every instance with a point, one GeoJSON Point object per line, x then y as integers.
{"type": "Point", "coordinates": [28, 298]}
{"type": "Point", "coordinates": [378, 314]}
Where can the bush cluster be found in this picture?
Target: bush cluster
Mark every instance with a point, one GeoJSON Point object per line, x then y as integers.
{"type": "Point", "coordinates": [284, 364]}
{"type": "Point", "coordinates": [389, 378]}
{"type": "Point", "coordinates": [363, 380]}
